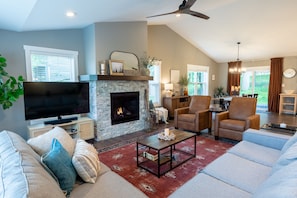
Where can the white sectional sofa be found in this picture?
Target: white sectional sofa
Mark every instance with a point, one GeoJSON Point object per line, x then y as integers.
{"type": "Point", "coordinates": [23, 175]}
{"type": "Point", "coordinates": [263, 165]}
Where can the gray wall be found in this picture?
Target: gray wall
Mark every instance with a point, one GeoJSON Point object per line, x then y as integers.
{"type": "Point", "coordinates": [120, 36]}
{"type": "Point", "coordinates": [11, 47]}
{"type": "Point", "coordinates": [176, 52]}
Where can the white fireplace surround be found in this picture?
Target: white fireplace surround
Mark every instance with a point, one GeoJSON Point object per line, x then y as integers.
{"type": "Point", "coordinates": [100, 107]}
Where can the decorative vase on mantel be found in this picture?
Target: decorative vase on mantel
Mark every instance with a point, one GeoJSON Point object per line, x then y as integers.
{"type": "Point", "coordinates": [145, 72]}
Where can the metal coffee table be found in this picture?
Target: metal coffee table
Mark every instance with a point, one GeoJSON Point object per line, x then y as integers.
{"type": "Point", "coordinates": [160, 156]}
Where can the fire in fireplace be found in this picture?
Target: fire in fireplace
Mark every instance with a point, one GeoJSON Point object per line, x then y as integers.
{"type": "Point", "coordinates": [124, 107]}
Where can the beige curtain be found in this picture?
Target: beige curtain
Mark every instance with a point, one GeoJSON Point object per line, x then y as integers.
{"type": "Point", "coordinates": [275, 84]}
{"type": "Point", "coordinates": [234, 69]}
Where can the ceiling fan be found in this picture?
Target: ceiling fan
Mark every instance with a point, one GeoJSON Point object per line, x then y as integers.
{"type": "Point", "coordinates": [184, 8]}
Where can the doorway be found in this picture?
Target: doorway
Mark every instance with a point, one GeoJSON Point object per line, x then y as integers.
{"type": "Point", "coordinates": [255, 80]}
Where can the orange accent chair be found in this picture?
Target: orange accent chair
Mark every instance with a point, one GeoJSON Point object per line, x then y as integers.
{"type": "Point", "coordinates": [240, 116]}
{"type": "Point", "coordinates": [196, 117]}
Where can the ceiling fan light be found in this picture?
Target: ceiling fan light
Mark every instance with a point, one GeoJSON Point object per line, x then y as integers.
{"type": "Point", "coordinates": [177, 15]}
{"type": "Point", "coordinates": [70, 14]}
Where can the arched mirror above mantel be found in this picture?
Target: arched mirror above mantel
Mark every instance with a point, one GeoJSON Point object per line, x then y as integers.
{"type": "Point", "coordinates": [131, 62]}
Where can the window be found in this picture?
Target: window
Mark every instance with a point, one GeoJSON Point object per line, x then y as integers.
{"type": "Point", "coordinates": [198, 80]}
{"type": "Point", "coordinates": [155, 84]}
{"type": "Point", "coordinates": [47, 64]}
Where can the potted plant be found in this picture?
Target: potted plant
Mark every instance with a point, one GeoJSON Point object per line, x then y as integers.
{"type": "Point", "coordinates": [219, 92]}
{"type": "Point", "coordinates": [10, 87]}
{"type": "Point", "coordinates": [183, 82]}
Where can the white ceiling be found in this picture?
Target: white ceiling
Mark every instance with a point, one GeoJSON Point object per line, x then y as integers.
{"type": "Point", "coordinates": [265, 28]}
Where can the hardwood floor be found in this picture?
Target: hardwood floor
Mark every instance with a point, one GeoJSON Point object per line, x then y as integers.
{"type": "Point", "coordinates": [105, 145]}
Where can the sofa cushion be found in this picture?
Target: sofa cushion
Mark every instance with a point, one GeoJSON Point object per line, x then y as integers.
{"type": "Point", "coordinates": [285, 159]}
{"type": "Point", "coordinates": [108, 184]}
{"type": "Point", "coordinates": [203, 185]}
{"type": "Point", "coordinates": [255, 152]}
{"type": "Point", "coordinates": [289, 143]}
{"type": "Point", "coordinates": [237, 171]}
{"type": "Point", "coordinates": [59, 162]}
{"type": "Point", "coordinates": [21, 174]}
{"type": "Point", "coordinates": [86, 161]}
{"type": "Point", "coordinates": [42, 143]}
{"type": "Point", "coordinates": [281, 184]}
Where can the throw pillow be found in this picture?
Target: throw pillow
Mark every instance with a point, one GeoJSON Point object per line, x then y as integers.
{"type": "Point", "coordinates": [42, 143]}
{"type": "Point", "coordinates": [280, 184]}
{"type": "Point", "coordinates": [86, 161]}
{"type": "Point", "coordinates": [289, 143]}
{"type": "Point", "coordinates": [59, 162]}
{"type": "Point", "coordinates": [289, 156]}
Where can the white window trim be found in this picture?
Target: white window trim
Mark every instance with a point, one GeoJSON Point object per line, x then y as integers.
{"type": "Point", "coordinates": [157, 81]}
{"type": "Point", "coordinates": [200, 68]}
{"type": "Point", "coordinates": [50, 51]}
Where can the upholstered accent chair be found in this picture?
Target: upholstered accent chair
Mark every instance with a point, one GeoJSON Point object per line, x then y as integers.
{"type": "Point", "coordinates": [240, 116]}
{"type": "Point", "coordinates": [196, 117]}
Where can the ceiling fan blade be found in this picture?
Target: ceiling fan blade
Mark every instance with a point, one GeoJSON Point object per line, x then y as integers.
{"type": "Point", "coordinates": [196, 14]}
{"type": "Point", "coordinates": [177, 11]}
{"type": "Point", "coordinates": [189, 4]}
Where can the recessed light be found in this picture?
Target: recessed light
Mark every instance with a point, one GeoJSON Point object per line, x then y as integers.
{"type": "Point", "coordinates": [70, 14]}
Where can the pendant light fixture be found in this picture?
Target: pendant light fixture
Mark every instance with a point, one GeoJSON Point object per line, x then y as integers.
{"type": "Point", "coordinates": [236, 69]}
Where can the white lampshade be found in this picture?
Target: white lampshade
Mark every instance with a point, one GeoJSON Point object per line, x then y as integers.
{"type": "Point", "coordinates": [168, 86]}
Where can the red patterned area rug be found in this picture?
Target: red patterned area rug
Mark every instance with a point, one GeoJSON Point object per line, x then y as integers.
{"type": "Point", "coordinates": [123, 161]}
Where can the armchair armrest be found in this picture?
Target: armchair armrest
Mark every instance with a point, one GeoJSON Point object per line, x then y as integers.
{"type": "Point", "coordinates": [265, 138]}
{"type": "Point", "coordinates": [253, 122]}
{"type": "Point", "coordinates": [219, 117]}
{"type": "Point", "coordinates": [204, 120]}
{"type": "Point", "coordinates": [182, 110]}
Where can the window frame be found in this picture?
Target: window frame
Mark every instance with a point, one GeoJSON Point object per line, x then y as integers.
{"type": "Point", "coordinates": [51, 52]}
{"type": "Point", "coordinates": [200, 68]}
{"type": "Point", "coordinates": [156, 82]}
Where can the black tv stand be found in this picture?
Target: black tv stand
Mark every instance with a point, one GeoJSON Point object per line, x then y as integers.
{"type": "Point", "coordinates": [60, 120]}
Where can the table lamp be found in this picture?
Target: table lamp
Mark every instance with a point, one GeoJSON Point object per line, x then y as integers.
{"type": "Point", "coordinates": [168, 89]}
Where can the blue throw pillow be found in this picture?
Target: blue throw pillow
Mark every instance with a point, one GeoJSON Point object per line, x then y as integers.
{"type": "Point", "coordinates": [281, 184]}
{"type": "Point", "coordinates": [59, 162]}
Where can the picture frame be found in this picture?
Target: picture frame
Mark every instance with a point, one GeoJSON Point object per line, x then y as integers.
{"type": "Point", "coordinates": [116, 67]}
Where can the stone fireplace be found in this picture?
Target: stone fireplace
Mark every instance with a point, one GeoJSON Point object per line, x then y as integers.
{"type": "Point", "coordinates": [100, 101]}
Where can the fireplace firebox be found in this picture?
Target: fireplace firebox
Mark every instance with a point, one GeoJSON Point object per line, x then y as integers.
{"type": "Point", "coordinates": [124, 107]}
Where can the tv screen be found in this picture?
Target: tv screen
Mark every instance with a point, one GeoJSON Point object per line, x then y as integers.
{"type": "Point", "coordinates": [50, 99]}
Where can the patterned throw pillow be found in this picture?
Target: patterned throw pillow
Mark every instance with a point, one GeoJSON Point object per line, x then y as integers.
{"type": "Point", "coordinates": [59, 162]}
{"type": "Point", "coordinates": [86, 161]}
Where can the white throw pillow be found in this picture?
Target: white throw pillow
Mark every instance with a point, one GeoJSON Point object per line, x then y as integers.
{"type": "Point", "coordinates": [86, 161]}
{"type": "Point", "coordinates": [43, 143]}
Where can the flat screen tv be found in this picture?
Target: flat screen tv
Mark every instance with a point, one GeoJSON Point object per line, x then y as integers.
{"type": "Point", "coordinates": [51, 99]}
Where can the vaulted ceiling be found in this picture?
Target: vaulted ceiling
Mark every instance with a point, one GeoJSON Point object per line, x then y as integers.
{"type": "Point", "coordinates": [265, 28]}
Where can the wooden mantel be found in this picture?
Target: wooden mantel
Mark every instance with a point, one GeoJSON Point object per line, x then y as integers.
{"type": "Point", "coordinates": [113, 77]}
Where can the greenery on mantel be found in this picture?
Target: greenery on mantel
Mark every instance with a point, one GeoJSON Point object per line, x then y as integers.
{"type": "Point", "coordinates": [10, 87]}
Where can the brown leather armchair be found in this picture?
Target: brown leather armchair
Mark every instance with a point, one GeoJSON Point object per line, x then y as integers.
{"type": "Point", "coordinates": [196, 117]}
{"type": "Point", "coordinates": [240, 116]}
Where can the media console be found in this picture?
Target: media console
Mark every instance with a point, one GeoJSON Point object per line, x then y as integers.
{"type": "Point", "coordinates": [81, 128]}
